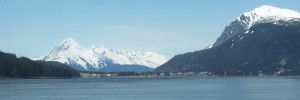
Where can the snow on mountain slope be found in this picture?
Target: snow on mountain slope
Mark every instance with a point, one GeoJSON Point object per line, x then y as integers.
{"type": "Point", "coordinates": [248, 19]}
{"type": "Point", "coordinates": [150, 59]}
{"type": "Point", "coordinates": [94, 58]}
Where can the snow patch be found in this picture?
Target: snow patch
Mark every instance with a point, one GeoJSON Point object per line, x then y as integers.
{"type": "Point", "coordinates": [283, 62]}
{"type": "Point", "coordinates": [209, 46]}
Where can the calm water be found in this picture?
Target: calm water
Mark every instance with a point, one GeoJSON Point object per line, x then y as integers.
{"type": "Point", "coordinates": [222, 88]}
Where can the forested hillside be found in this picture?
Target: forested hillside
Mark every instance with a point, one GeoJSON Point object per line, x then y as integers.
{"type": "Point", "coordinates": [14, 67]}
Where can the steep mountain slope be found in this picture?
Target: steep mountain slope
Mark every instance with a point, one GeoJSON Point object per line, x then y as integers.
{"type": "Point", "coordinates": [269, 45]}
{"type": "Point", "coordinates": [248, 19]}
{"type": "Point", "coordinates": [100, 58]}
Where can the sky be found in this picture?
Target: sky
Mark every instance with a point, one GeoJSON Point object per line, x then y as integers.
{"type": "Point", "coordinates": [32, 28]}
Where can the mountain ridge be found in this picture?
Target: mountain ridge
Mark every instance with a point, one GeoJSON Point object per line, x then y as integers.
{"type": "Point", "coordinates": [96, 58]}
{"type": "Point", "coordinates": [248, 19]}
{"type": "Point", "coordinates": [268, 47]}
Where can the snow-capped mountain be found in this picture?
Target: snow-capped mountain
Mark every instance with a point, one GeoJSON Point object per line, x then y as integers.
{"type": "Point", "coordinates": [263, 41]}
{"type": "Point", "coordinates": [100, 58]}
{"type": "Point", "coordinates": [258, 15]}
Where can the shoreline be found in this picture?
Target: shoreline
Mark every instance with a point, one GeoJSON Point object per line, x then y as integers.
{"type": "Point", "coordinates": [7, 78]}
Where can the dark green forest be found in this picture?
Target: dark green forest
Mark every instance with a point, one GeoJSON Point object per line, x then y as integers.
{"type": "Point", "coordinates": [13, 67]}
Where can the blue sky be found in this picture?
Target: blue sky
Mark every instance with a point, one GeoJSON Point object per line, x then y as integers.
{"type": "Point", "coordinates": [33, 27]}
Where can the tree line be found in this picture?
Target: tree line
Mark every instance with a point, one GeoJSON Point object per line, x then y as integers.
{"type": "Point", "coordinates": [22, 67]}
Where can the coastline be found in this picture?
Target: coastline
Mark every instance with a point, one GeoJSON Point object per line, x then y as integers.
{"type": "Point", "coordinates": [8, 78]}
{"type": "Point", "coordinates": [146, 77]}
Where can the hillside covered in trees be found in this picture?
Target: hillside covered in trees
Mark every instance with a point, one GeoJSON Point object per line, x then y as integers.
{"type": "Point", "coordinates": [13, 67]}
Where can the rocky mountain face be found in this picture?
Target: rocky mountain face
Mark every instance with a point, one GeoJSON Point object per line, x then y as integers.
{"type": "Point", "coordinates": [263, 41]}
{"type": "Point", "coordinates": [100, 58]}
{"type": "Point", "coordinates": [248, 19]}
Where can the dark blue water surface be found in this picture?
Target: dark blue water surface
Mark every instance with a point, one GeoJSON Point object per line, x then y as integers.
{"type": "Point", "coordinates": [192, 88]}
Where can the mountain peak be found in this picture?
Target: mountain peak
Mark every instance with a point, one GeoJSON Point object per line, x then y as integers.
{"type": "Point", "coordinates": [271, 11]}
{"type": "Point", "coordinates": [263, 13]}
{"type": "Point", "coordinates": [268, 7]}
{"type": "Point", "coordinates": [66, 45]}
{"type": "Point", "coordinates": [101, 58]}
{"type": "Point", "coordinates": [69, 41]}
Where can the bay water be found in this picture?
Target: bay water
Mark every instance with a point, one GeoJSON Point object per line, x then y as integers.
{"type": "Point", "coordinates": [169, 88]}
